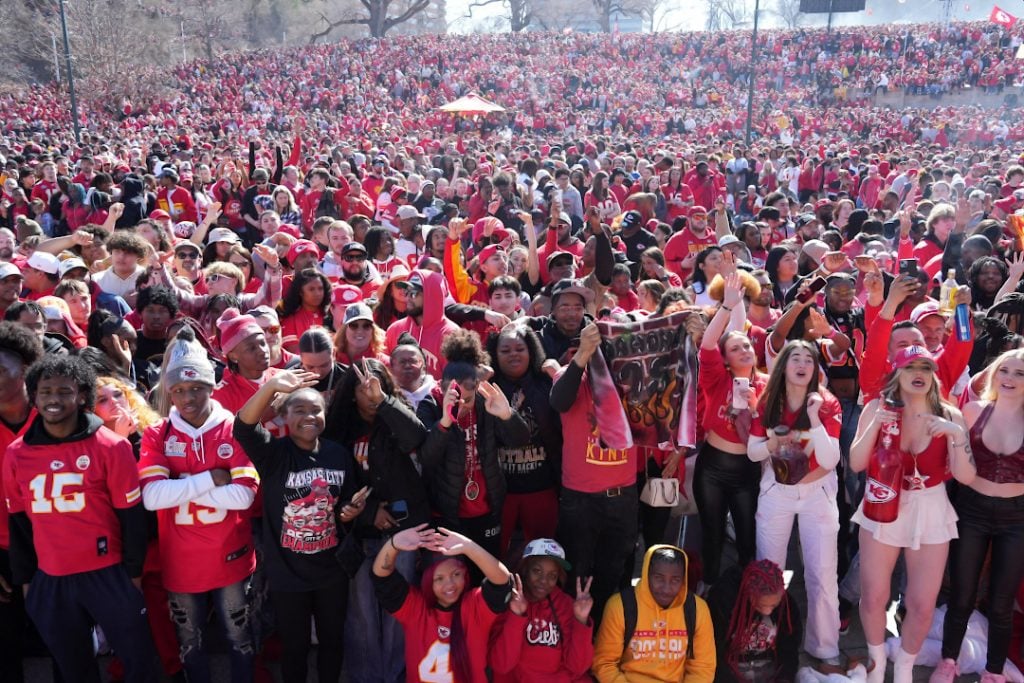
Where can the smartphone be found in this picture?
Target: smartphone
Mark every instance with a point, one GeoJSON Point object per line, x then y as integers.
{"type": "Point", "coordinates": [399, 510]}
{"type": "Point", "coordinates": [817, 284]}
{"type": "Point", "coordinates": [453, 411]}
{"type": "Point", "coordinates": [908, 266]}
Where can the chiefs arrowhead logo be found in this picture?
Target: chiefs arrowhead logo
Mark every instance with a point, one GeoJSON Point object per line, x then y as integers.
{"type": "Point", "coordinates": [877, 492]}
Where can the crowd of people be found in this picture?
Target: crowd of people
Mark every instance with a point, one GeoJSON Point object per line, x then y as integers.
{"type": "Point", "coordinates": [392, 327]}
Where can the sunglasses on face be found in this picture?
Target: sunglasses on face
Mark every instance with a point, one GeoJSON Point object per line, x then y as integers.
{"type": "Point", "coordinates": [213, 277]}
{"type": "Point", "coordinates": [353, 258]}
{"type": "Point", "coordinates": [188, 257]}
{"type": "Point", "coordinates": [361, 325]}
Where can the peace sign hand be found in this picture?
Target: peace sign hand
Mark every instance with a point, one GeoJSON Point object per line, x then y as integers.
{"type": "Point", "coordinates": [517, 605]}
{"type": "Point", "coordinates": [495, 401]}
{"type": "Point", "coordinates": [584, 601]}
{"type": "Point", "coordinates": [369, 383]}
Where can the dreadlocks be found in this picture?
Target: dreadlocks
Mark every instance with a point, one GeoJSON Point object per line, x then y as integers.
{"type": "Point", "coordinates": [760, 579]}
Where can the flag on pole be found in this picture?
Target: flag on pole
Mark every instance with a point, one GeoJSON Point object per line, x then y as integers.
{"type": "Point", "coordinates": [1002, 17]}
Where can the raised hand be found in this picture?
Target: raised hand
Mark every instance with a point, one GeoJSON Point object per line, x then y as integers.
{"type": "Point", "coordinates": [415, 538]}
{"type": "Point", "coordinates": [518, 604]}
{"type": "Point", "coordinates": [495, 401]}
{"type": "Point", "coordinates": [292, 380]}
{"type": "Point", "coordinates": [584, 601]}
{"type": "Point", "coordinates": [450, 543]}
{"type": "Point", "coordinates": [733, 294]}
{"type": "Point", "coordinates": [268, 254]}
{"type": "Point", "coordinates": [369, 383]}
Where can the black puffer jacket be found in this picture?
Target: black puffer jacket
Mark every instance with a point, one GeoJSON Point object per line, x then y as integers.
{"type": "Point", "coordinates": [443, 455]}
{"type": "Point", "coordinates": [395, 434]}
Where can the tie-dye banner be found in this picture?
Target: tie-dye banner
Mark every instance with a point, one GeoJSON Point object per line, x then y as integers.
{"type": "Point", "coordinates": [650, 369]}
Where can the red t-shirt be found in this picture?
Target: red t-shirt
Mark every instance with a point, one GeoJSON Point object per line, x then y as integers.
{"type": "Point", "coordinates": [831, 414]}
{"type": "Point", "coordinates": [587, 465]}
{"type": "Point", "coordinates": [71, 491]}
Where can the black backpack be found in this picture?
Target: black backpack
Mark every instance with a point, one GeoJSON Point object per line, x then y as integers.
{"type": "Point", "coordinates": [629, 617]}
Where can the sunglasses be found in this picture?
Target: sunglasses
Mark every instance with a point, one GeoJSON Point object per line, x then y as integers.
{"type": "Point", "coordinates": [188, 257]}
{"type": "Point", "coordinates": [213, 277]}
{"type": "Point", "coordinates": [361, 325]}
{"type": "Point", "coordinates": [352, 258]}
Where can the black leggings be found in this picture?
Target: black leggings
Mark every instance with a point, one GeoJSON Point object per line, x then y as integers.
{"type": "Point", "coordinates": [327, 606]}
{"type": "Point", "coordinates": [984, 522]}
{"type": "Point", "coordinates": [723, 483]}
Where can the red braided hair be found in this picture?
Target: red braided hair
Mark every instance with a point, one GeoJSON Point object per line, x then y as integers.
{"type": "Point", "coordinates": [760, 578]}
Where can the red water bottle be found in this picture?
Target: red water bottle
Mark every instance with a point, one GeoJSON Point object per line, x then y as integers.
{"type": "Point", "coordinates": [885, 470]}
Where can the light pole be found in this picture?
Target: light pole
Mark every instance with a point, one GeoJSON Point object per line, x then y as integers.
{"type": "Point", "coordinates": [753, 72]}
{"type": "Point", "coordinates": [71, 75]}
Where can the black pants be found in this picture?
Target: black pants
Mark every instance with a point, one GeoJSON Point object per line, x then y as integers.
{"type": "Point", "coordinates": [64, 609]}
{"type": "Point", "coordinates": [984, 522]}
{"type": "Point", "coordinates": [653, 521]}
{"type": "Point", "coordinates": [12, 628]}
{"type": "Point", "coordinates": [723, 483]}
{"type": "Point", "coordinates": [598, 532]}
{"type": "Point", "coordinates": [327, 606]}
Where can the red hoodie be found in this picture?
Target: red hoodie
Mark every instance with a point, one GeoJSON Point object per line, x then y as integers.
{"type": "Point", "coordinates": [545, 644]}
{"type": "Point", "coordinates": [434, 325]}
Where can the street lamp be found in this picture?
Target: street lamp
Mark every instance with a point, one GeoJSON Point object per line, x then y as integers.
{"type": "Point", "coordinates": [753, 72]}
{"type": "Point", "coordinates": [71, 74]}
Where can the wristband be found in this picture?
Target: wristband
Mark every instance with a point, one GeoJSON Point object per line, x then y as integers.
{"type": "Point", "coordinates": [833, 334]}
{"type": "Point", "coordinates": [726, 308]}
{"type": "Point", "coordinates": [391, 540]}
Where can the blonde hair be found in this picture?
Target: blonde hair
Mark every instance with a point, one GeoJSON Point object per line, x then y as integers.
{"type": "Point", "coordinates": [341, 343]}
{"type": "Point", "coordinates": [751, 287]}
{"type": "Point", "coordinates": [230, 270]}
{"type": "Point", "coordinates": [936, 403]}
{"type": "Point", "coordinates": [145, 416]}
{"type": "Point", "coordinates": [939, 211]}
{"type": "Point", "coordinates": [991, 391]}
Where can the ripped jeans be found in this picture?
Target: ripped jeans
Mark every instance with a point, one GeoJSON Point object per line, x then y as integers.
{"type": "Point", "coordinates": [189, 612]}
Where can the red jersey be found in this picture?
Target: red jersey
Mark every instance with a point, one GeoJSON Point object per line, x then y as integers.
{"type": "Point", "coordinates": [43, 190]}
{"type": "Point", "coordinates": [204, 531]}
{"type": "Point", "coordinates": [178, 203]}
{"type": "Point", "coordinates": [684, 243]}
{"type": "Point", "coordinates": [71, 490]}
{"type": "Point", "coordinates": [428, 631]}
{"type": "Point", "coordinates": [7, 437]}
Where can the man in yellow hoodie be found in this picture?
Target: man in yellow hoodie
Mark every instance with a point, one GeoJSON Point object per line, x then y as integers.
{"type": "Point", "coordinates": [659, 649]}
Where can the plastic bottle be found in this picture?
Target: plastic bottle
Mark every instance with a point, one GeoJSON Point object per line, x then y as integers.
{"type": "Point", "coordinates": [885, 470]}
{"type": "Point", "coordinates": [947, 295]}
{"type": "Point", "coordinates": [962, 323]}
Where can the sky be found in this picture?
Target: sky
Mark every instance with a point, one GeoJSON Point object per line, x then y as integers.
{"type": "Point", "coordinates": [878, 11]}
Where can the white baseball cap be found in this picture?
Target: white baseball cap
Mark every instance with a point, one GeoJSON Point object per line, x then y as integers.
{"type": "Point", "coordinates": [546, 547]}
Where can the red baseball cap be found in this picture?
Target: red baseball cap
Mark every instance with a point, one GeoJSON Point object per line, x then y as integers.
{"type": "Point", "coordinates": [910, 354]}
{"type": "Point", "coordinates": [489, 251]}
{"type": "Point", "coordinates": [159, 215]}
{"type": "Point", "coordinates": [344, 295]}
{"type": "Point", "coordinates": [302, 247]}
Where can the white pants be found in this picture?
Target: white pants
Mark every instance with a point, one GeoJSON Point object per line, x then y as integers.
{"type": "Point", "coordinates": [815, 506]}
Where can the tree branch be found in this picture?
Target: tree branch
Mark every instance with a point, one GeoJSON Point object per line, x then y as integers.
{"type": "Point", "coordinates": [413, 10]}
{"type": "Point", "coordinates": [331, 25]}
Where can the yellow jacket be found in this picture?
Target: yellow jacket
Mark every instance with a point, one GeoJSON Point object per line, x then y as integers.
{"type": "Point", "coordinates": [657, 651]}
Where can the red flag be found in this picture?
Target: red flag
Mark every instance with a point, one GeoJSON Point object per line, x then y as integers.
{"type": "Point", "coordinates": [1002, 17]}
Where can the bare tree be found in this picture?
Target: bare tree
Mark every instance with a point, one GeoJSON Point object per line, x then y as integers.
{"type": "Point", "coordinates": [606, 9]}
{"type": "Point", "coordinates": [379, 17]}
{"type": "Point", "coordinates": [725, 14]}
{"type": "Point", "coordinates": [654, 13]}
{"type": "Point", "coordinates": [788, 12]}
{"type": "Point", "coordinates": [518, 13]}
